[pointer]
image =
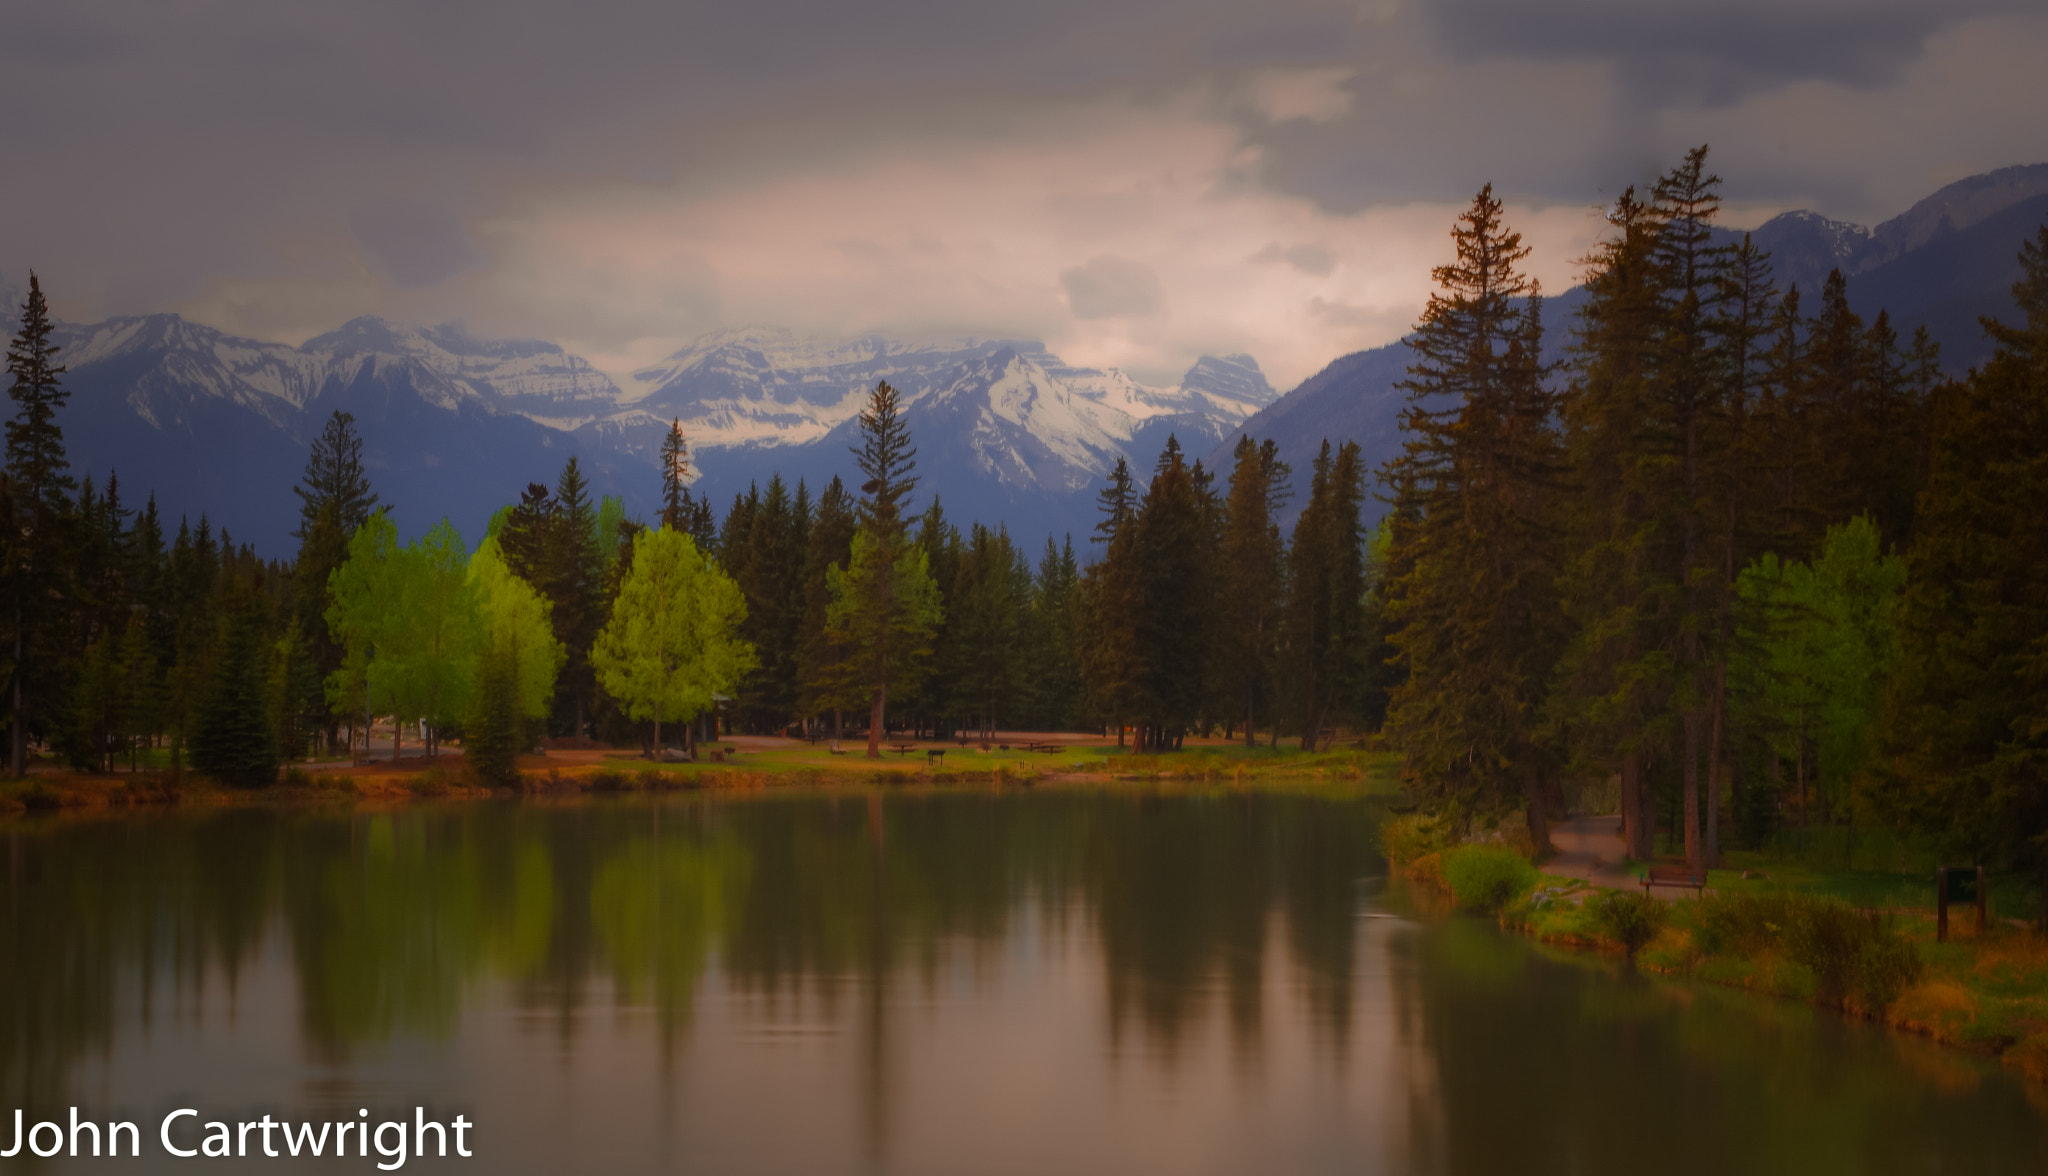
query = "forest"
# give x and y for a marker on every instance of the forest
(1739, 561)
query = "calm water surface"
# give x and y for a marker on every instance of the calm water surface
(1047, 982)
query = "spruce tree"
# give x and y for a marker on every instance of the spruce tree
(1967, 717)
(884, 604)
(39, 493)
(1472, 586)
(1251, 558)
(335, 499)
(675, 478)
(232, 740)
(1611, 683)
(825, 661)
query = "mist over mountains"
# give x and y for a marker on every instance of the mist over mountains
(1007, 431)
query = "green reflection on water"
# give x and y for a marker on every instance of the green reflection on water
(1192, 909)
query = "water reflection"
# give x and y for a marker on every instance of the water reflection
(950, 982)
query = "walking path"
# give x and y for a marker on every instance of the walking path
(1591, 849)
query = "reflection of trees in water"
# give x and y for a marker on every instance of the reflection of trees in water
(97, 911)
(1520, 1062)
(1184, 892)
(394, 917)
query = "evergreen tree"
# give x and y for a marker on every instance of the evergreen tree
(575, 587)
(1172, 556)
(827, 670)
(675, 478)
(884, 604)
(1612, 679)
(491, 738)
(1055, 674)
(1968, 711)
(231, 736)
(39, 494)
(1252, 561)
(335, 499)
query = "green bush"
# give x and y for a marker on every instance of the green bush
(1847, 951)
(1415, 835)
(1891, 964)
(1487, 877)
(1628, 918)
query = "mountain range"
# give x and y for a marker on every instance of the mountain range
(1943, 263)
(1006, 430)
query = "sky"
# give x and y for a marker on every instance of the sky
(1136, 182)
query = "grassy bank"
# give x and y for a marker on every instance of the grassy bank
(730, 768)
(1804, 934)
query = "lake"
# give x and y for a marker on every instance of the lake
(1033, 981)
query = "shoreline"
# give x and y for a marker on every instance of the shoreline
(1986, 995)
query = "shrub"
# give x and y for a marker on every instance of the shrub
(607, 780)
(1628, 918)
(1415, 835)
(1487, 877)
(1890, 965)
(1846, 950)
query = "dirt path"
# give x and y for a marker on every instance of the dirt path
(1590, 848)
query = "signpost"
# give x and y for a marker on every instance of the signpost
(1958, 884)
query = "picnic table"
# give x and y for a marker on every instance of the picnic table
(935, 755)
(1048, 748)
(905, 748)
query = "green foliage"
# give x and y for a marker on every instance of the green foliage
(409, 622)
(1471, 589)
(672, 641)
(1821, 643)
(231, 736)
(1628, 917)
(1406, 837)
(1968, 715)
(491, 737)
(1847, 950)
(885, 611)
(515, 625)
(1487, 877)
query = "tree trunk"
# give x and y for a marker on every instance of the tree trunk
(1638, 820)
(1715, 751)
(1695, 860)
(397, 732)
(875, 722)
(17, 751)
(1532, 798)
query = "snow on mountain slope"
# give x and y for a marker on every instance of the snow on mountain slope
(164, 365)
(535, 379)
(763, 387)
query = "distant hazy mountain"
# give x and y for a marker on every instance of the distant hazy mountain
(219, 425)
(1006, 431)
(1944, 262)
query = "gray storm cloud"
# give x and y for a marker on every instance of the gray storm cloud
(281, 167)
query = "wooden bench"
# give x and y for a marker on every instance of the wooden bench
(905, 748)
(1672, 876)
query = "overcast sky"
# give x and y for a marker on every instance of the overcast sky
(1136, 182)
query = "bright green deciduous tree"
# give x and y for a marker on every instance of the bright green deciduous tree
(672, 641)
(1821, 642)
(516, 626)
(410, 625)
